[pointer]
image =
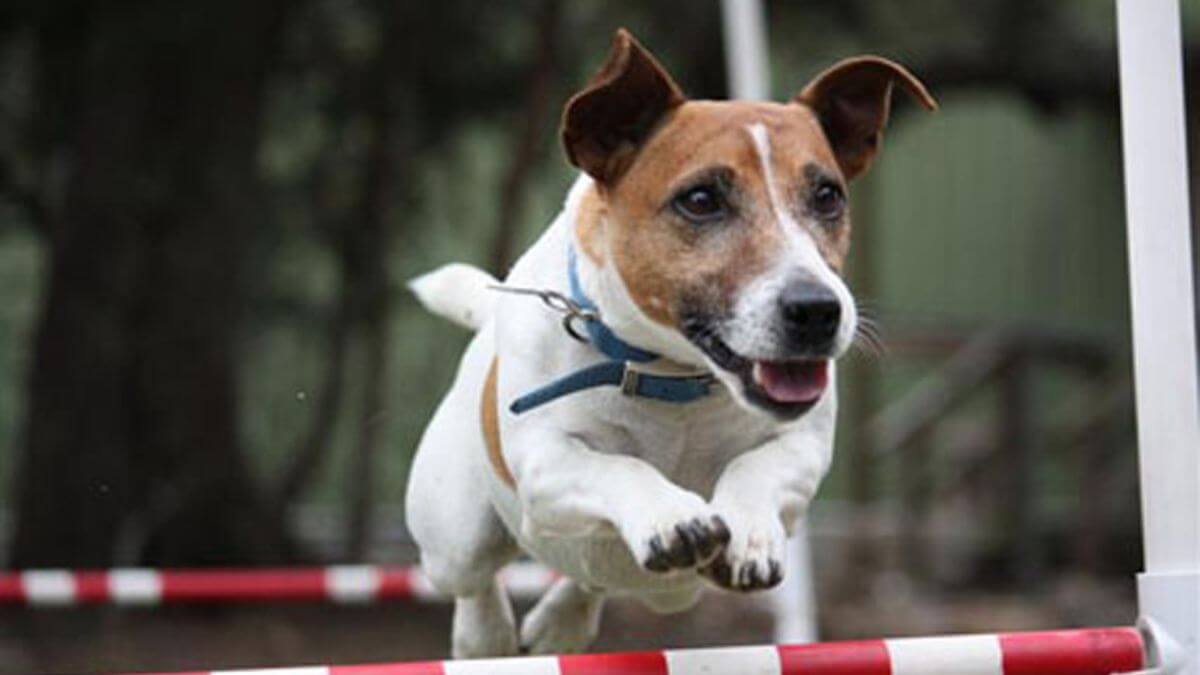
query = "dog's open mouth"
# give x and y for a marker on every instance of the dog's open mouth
(786, 389)
(791, 381)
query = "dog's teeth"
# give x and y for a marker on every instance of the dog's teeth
(757, 374)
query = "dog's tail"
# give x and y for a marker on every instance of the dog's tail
(457, 292)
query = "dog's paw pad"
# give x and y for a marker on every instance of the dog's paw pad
(746, 575)
(753, 558)
(686, 544)
(755, 576)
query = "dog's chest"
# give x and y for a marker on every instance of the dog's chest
(690, 444)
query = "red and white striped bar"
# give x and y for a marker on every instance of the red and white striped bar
(1092, 651)
(348, 584)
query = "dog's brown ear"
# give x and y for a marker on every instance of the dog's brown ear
(605, 124)
(852, 99)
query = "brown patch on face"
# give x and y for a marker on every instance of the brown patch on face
(834, 247)
(832, 236)
(672, 266)
(489, 421)
(589, 226)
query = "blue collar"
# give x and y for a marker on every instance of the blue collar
(616, 370)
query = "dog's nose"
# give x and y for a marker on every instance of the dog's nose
(811, 314)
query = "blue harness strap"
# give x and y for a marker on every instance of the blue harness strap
(616, 371)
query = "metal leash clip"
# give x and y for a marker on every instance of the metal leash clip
(571, 310)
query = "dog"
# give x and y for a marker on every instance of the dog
(648, 405)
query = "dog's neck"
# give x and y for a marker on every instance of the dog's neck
(602, 283)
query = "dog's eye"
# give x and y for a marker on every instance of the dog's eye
(700, 204)
(828, 201)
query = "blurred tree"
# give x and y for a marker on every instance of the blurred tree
(131, 451)
(132, 435)
(530, 136)
(364, 266)
(399, 86)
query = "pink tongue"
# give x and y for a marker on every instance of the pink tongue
(797, 382)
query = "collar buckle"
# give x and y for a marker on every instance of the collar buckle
(629, 380)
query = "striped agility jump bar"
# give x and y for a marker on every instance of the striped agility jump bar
(1093, 651)
(338, 584)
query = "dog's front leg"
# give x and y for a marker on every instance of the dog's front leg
(569, 489)
(760, 495)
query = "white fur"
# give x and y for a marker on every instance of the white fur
(457, 292)
(564, 621)
(597, 473)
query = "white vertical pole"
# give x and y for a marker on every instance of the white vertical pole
(1163, 309)
(794, 602)
(746, 49)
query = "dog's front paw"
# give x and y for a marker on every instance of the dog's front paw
(677, 535)
(753, 558)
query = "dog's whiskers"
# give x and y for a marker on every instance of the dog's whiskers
(868, 338)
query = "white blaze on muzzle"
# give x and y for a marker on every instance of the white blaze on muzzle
(752, 331)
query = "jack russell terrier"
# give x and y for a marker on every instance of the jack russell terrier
(648, 403)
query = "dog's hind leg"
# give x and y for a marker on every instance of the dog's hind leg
(463, 545)
(483, 625)
(565, 620)
(450, 514)
(483, 616)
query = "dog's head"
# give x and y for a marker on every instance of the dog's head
(725, 224)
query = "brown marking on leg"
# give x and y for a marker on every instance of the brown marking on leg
(489, 417)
